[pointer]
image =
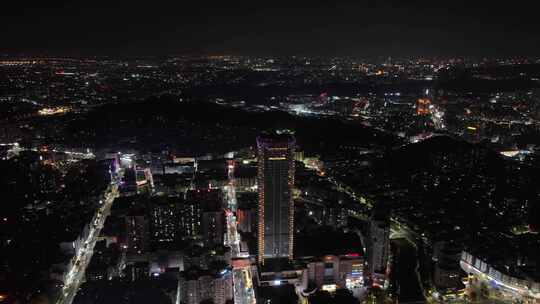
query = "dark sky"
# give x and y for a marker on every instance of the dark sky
(293, 27)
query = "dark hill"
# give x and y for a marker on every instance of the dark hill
(208, 126)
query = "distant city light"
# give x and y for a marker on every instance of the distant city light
(53, 111)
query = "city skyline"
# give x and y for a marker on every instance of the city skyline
(282, 152)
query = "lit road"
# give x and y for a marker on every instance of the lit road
(242, 276)
(232, 239)
(497, 290)
(16, 148)
(243, 286)
(75, 276)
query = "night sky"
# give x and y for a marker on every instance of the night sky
(294, 27)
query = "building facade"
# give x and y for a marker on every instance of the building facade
(137, 232)
(378, 248)
(197, 286)
(275, 185)
(164, 222)
(334, 272)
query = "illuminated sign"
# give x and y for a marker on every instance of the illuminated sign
(329, 287)
(277, 158)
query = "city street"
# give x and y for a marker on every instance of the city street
(487, 289)
(242, 276)
(76, 275)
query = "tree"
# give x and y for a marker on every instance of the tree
(320, 297)
(344, 296)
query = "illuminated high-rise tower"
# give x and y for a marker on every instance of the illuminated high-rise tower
(275, 185)
(378, 245)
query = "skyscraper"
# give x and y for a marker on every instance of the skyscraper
(137, 231)
(275, 184)
(164, 220)
(202, 215)
(213, 226)
(378, 246)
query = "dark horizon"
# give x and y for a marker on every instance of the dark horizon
(369, 29)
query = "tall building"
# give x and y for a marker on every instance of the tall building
(447, 273)
(202, 215)
(190, 219)
(275, 184)
(137, 231)
(137, 271)
(196, 286)
(164, 221)
(246, 214)
(213, 227)
(378, 246)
